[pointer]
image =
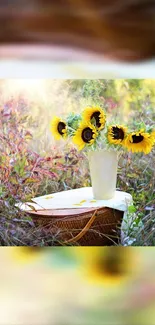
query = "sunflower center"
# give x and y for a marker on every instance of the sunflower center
(87, 135)
(96, 116)
(137, 138)
(61, 127)
(118, 134)
(111, 266)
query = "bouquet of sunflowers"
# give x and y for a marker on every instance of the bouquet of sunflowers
(91, 131)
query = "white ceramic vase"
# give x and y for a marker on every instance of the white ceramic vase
(103, 170)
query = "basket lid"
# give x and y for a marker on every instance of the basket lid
(55, 213)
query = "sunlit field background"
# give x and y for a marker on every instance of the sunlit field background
(32, 163)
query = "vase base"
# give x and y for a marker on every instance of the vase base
(103, 197)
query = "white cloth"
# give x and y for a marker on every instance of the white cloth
(78, 198)
(75, 69)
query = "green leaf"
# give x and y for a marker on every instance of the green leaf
(30, 180)
(131, 209)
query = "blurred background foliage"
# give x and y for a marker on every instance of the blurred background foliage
(32, 163)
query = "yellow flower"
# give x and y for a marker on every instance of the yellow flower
(25, 254)
(116, 134)
(106, 266)
(95, 113)
(58, 128)
(139, 142)
(152, 135)
(85, 135)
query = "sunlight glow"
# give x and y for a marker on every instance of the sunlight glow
(28, 86)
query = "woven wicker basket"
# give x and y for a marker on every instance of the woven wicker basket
(84, 227)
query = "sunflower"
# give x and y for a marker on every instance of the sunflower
(152, 135)
(139, 141)
(97, 114)
(105, 266)
(85, 135)
(116, 134)
(58, 128)
(26, 254)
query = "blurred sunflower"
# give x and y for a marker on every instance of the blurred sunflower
(106, 266)
(95, 114)
(139, 142)
(26, 254)
(58, 128)
(116, 134)
(85, 135)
